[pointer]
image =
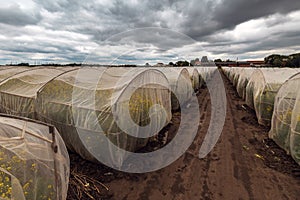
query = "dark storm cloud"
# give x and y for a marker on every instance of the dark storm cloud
(233, 12)
(159, 37)
(207, 17)
(103, 21)
(69, 28)
(14, 15)
(47, 49)
(276, 41)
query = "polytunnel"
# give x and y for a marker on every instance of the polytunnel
(242, 82)
(236, 76)
(295, 131)
(179, 82)
(226, 71)
(206, 73)
(201, 78)
(7, 72)
(102, 112)
(262, 89)
(285, 127)
(195, 78)
(18, 92)
(34, 161)
(231, 73)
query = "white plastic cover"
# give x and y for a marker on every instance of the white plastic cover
(18, 92)
(262, 89)
(82, 103)
(179, 80)
(34, 164)
(242, 82)
(231, 73)
(226, 71)
(236, 75)
(206, 72)
(285, 129)
(195, 78)
(7, 72)
(295, 128)
(283, 109)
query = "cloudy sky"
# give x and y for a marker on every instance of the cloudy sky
(132, 31)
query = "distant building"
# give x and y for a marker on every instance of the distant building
(256, 63)
(204, 59)
(197, 62)
(159, 65)
(249, 63)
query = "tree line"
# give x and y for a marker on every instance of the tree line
(277, 60)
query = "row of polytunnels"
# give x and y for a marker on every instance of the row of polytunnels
(275, 96)
(46, 109)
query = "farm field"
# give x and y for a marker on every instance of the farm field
(244, 164)
(149, 100)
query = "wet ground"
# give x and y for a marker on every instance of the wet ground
(244, 164)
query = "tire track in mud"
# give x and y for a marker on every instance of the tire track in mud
(206, 113)
(180, 184)
(240, 167)
(174, 182)
(256, 178)
(228, 172)
(198, 171)
(192, 179)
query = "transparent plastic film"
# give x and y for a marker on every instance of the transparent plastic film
(262, 89)
(283, 109)
(30, 167)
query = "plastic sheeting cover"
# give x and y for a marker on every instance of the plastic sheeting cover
(81, 103)
(242, 82)
(10, 71)
(205, 73)
(29, 166)
(295, 130)
(236, 76)
(18, 93)
(285, 130)
(262, 89)
(195, 78)
(179, 81)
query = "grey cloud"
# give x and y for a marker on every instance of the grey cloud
(267, 44)
(14, 15)
(203, 18)
(203, 21)
(232, 12)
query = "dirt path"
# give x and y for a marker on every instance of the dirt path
(243, 165)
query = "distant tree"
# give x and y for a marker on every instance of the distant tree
(277, 62)
(171, 64)
(192, 62)
(182, 63)
(23, 64)
(218, 60)
(129, 66)
(294, 60)
(283, 60)
(270, 59)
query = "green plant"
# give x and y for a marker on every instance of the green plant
(35, 180)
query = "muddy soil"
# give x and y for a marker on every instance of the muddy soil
(244, 164)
